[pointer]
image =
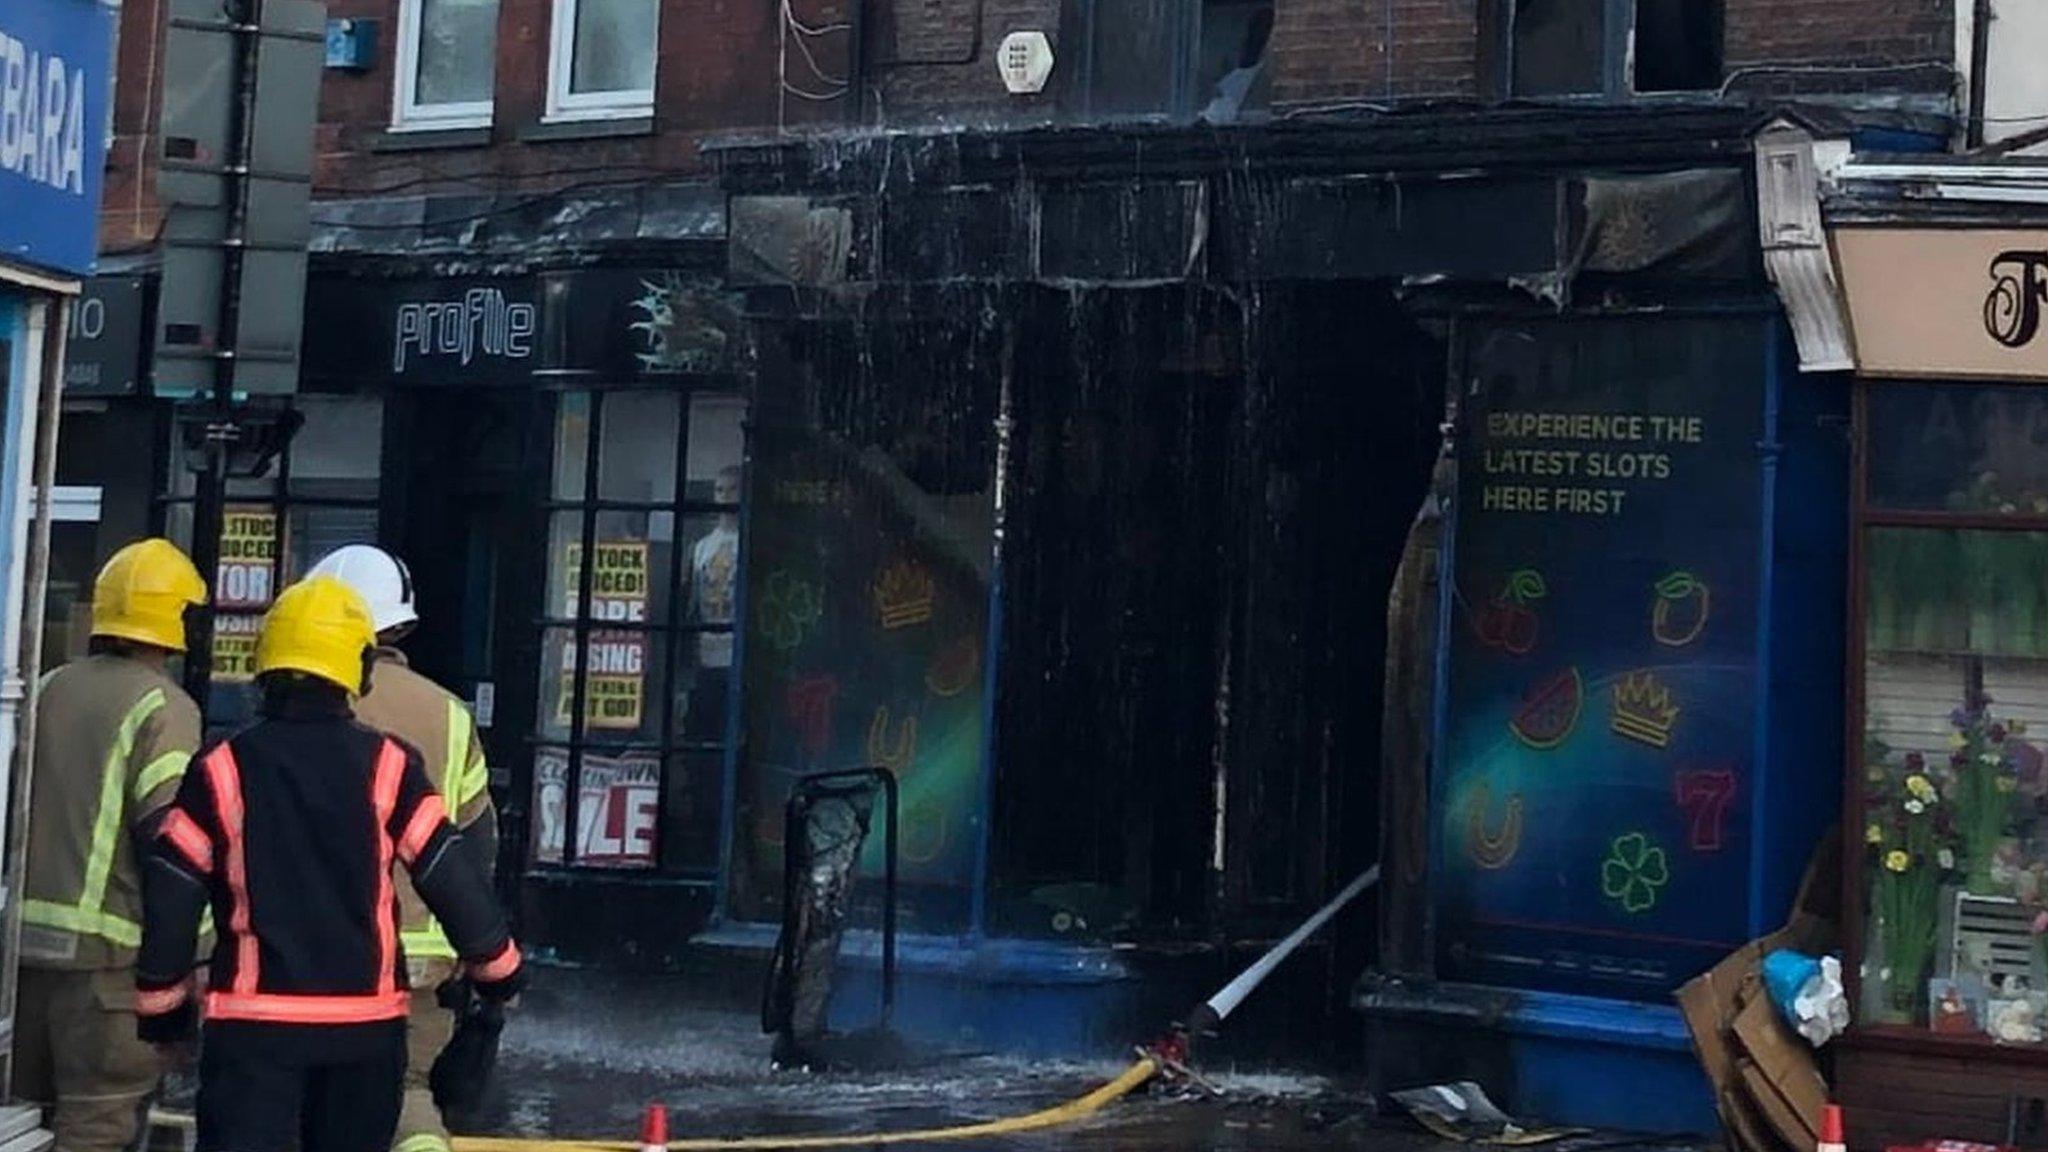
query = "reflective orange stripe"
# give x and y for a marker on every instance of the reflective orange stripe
(430, 815)
(384, 798)
(190, 842)
(498, 967)
(272, 1008)
(162, 1000)
(226, 778)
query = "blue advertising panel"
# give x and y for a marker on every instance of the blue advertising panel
(53, 122)
(1594, 808)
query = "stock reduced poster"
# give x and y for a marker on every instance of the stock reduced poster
(1600, 724)
(244, 587)
(615, 690)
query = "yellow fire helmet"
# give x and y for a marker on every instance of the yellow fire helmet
(318, 626)
(142, 594)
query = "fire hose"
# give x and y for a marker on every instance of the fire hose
(1164, 1057)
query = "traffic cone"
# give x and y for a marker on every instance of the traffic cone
(654, 1129)
(1831, 1137)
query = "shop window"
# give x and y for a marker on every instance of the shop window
(320, 493)
(638, 656)
(1953, 774)
(602, 60)
(867, 610)
(1611, 47)
(446, 63)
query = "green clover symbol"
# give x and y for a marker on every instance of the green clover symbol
(789, 606)
(1635, 873)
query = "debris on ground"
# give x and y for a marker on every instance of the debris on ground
(1462, 1112)
(1766, 1079)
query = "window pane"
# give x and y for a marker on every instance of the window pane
(572, 440)
(1955, 780)
(1678, 45)
(311, 533)
(458, 39)
(713, 583)
(614, 46)
(631, 582)
(717, 447)
(618, 807)
(624, 693)
(637, 460)
(1949, 592)
(338, 452)
(1978, 449)
(1559, 47)
(689, 820)
(703, 696)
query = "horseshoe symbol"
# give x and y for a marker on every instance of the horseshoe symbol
(896, 753)
(1492, 851)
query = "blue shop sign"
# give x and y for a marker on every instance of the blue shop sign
(53, 121)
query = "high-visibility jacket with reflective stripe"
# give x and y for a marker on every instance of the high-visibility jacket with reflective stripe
(405, 704)
(113, 739)
(290, 830)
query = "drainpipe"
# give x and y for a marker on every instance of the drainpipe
(21, 618)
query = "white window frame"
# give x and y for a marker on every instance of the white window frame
(563, 104)
(407, 113)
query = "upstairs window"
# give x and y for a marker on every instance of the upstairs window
(1611, 48)
(602, 61)
(446, 65)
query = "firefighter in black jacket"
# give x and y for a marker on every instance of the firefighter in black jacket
(289, 830)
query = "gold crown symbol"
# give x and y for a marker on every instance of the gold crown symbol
(1643, 710)
(903, 595)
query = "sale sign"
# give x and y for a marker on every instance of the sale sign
(618, 809)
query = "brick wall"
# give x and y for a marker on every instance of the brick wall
(936, 58)
(129, 215)
(716, 72)
(1368, 49)
(1854, 34)
(1336, 50)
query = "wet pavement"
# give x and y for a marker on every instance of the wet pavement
(574, 1066)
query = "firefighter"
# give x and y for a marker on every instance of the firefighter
(405, 704)
(289, 830)
(115, 734)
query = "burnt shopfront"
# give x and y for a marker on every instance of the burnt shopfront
(558, 455)
(1088, 504)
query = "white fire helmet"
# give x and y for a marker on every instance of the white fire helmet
(380, 578)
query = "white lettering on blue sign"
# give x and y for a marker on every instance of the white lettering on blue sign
(483, 321)
(42, 117)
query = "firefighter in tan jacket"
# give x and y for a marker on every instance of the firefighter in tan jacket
(405, 704)
(114, 734)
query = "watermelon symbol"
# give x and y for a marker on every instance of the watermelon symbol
(1550, 710)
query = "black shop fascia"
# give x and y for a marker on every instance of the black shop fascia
(530, 418)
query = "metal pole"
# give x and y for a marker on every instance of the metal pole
(889, 798)
(48, 406)
(210, 500)
(1218, 1008)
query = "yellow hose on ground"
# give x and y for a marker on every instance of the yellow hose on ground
(1078, 1108)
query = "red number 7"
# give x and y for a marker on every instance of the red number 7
(1705, 796)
